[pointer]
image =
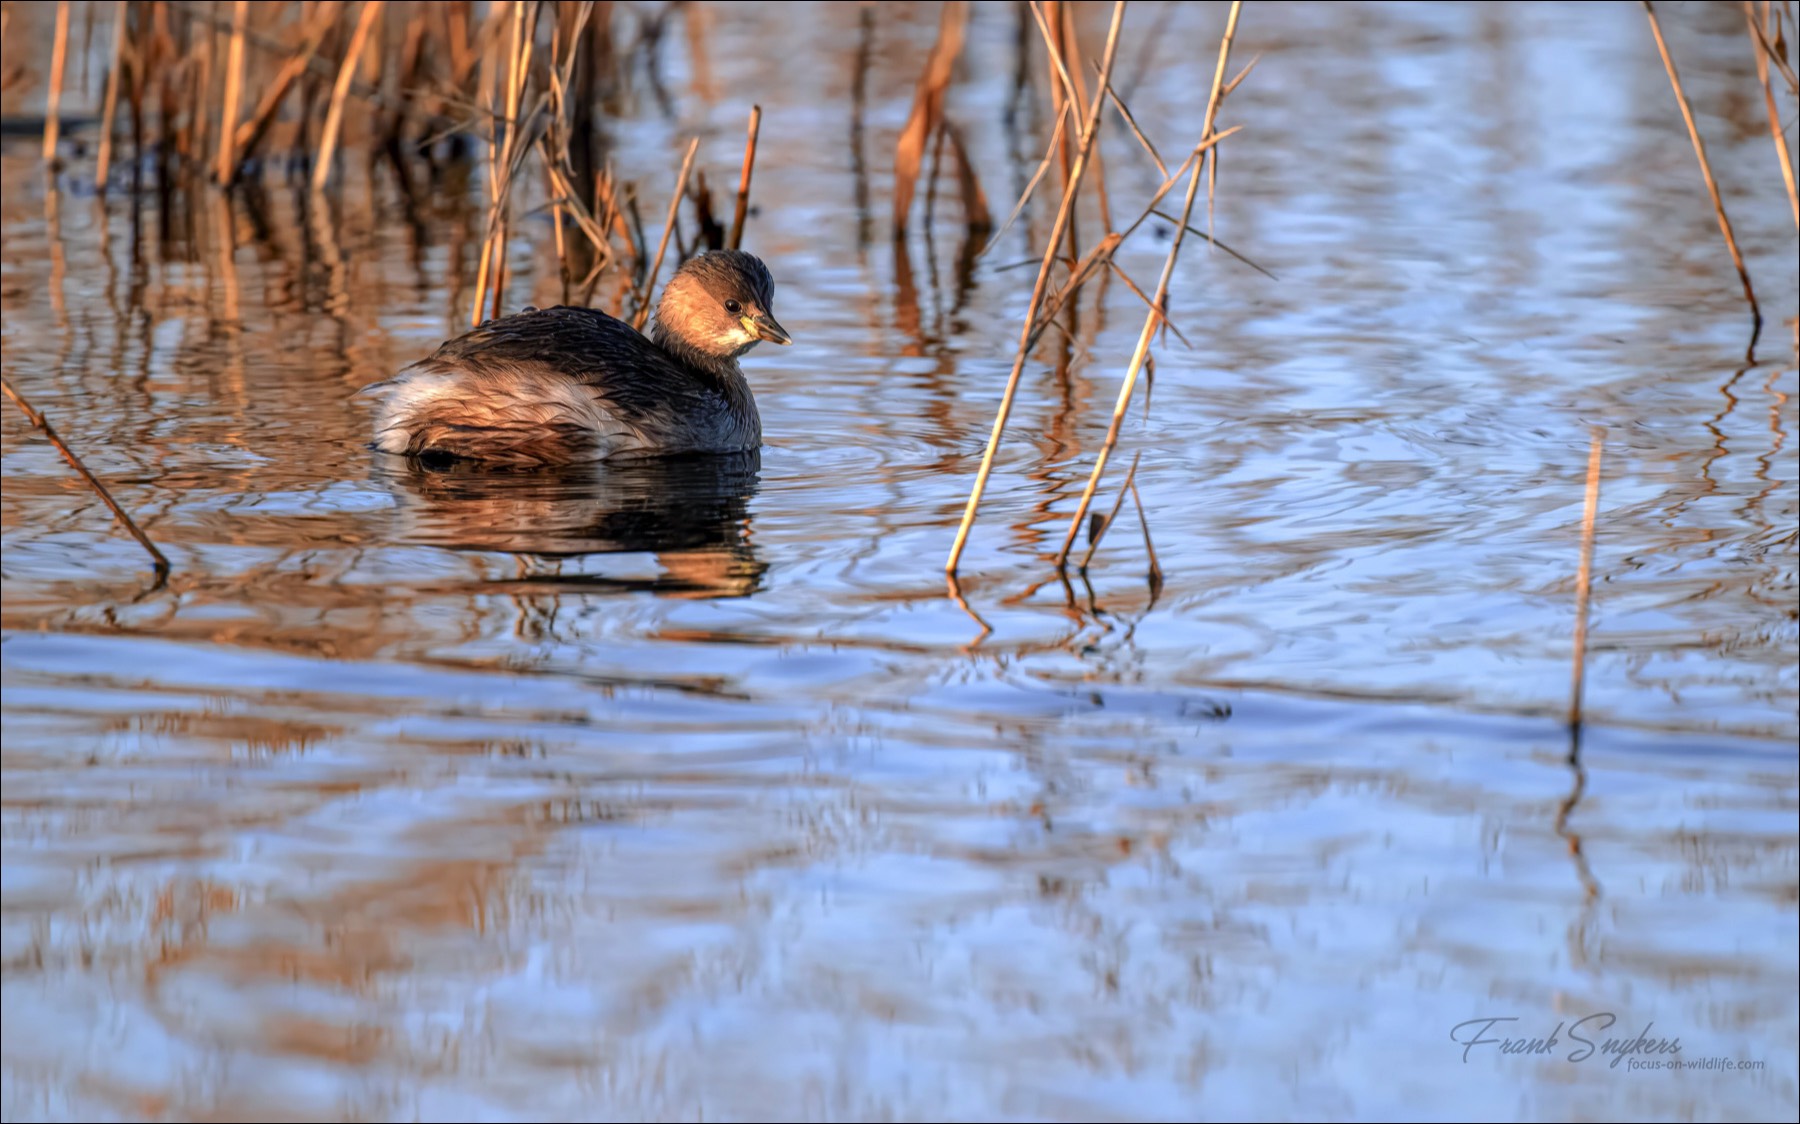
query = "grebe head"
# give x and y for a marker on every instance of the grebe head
(717, 306)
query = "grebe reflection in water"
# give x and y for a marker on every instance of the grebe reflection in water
(691, 512)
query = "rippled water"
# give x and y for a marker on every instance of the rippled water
(687, 792)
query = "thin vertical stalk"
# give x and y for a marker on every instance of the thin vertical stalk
(743, 196)
(488, 80)
(334, 116)
(1584, 580)
(643, 310)
(1153, 317)
(110, 110)
(518, 72)
(59, 57)
(1072, 55)
(234, 83)
(1089, 129)
(1712, 186)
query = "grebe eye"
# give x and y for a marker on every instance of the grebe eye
(733, 307)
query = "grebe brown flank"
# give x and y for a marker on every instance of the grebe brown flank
(565, 385)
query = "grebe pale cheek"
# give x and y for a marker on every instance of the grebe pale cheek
(565, 385)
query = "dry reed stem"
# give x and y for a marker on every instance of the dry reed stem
(1056, 135)
(554, 144)
(1162, 291)
(110, 110)
(1241, 75)
(1090, 128)
(927, 109)
(334, 116)
(1161, 315)
(1118, 503)
(505, 161)
(1131, 122)
(743, 196)
(590, 226)
(1781, 64)
(1062, 91)
(1584, 579)
(1209, 239)
(1072, 58)
(1712, 186)
(234, 83)
(1094, 260)
(42, 424)
(513, 154)
(1137, 501)
(487, 81)
(59, 56)
(642, 316)
(1212, 177)
(1102, 254)
(1759, 44)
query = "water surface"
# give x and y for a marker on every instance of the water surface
(686, 792)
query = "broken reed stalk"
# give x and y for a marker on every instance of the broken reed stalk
(334, 116)
(59, 57)
(42, 424)
(1137, 501)
(1162, 288)
(743, 196)
(1072, 56)
(488, 80)
(1099, 532)
(234, 83)
(1131, 122)
(1777, 16)
(1584, 579)
(1089, 129)
(1712, 186)
(1760, 46)
(642, 315)
(1056, 135)
(110, 109)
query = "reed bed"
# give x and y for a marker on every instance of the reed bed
(220, 93)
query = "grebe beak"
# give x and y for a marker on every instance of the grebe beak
(763, 327)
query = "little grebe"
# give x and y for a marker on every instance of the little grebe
(565, 385)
